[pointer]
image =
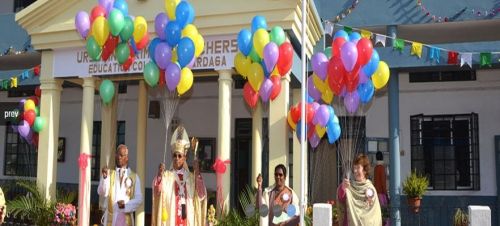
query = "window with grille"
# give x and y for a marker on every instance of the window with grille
(96, 146)
(445, 148)
(20, 157)
(443, 76)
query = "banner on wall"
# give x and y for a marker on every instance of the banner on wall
(219, 53)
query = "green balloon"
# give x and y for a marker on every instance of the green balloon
(328, 52)
(151, 74)
(128, 29)
(122, 52)
(254, 56)
(37, 111)
(38, 124)
(116, 22)
(107, 91)
(277, 35)
(93, 49)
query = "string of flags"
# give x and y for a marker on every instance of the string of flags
(13, 81)
(434, 53)
(344, 13)
(477, 12)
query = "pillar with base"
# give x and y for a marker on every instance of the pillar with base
(256, 143)
(142, 105)
(296, 152)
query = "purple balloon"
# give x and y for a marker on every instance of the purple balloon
(322, 116)
(265, 90)
(161, 21)
(314, 140)
(82, 23)
(312, 91)
(172, 76)
(271, 54)
(163, 55)
(107, 4)
(315, 106)
(24, 128)
(351, 101)
(319, 63)
(191, 63)
(349, 55)
(362, 77)
(21, 105)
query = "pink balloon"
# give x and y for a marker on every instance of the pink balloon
(321, 116)
(172, 76)
(319, 64)
(351, 102)
(24, 129)
(271, 55)
(349, 55)
(265, 90)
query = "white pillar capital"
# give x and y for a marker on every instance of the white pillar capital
(49, 83)
(286, 78)
(225, 74)
(89, 82)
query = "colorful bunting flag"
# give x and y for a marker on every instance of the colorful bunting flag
(399, 44)
(416, 49)
(366, 34)
(434, 54)
(466, 58)
(485, 59)
(380, 38)
(329, 28)
(348, 29)
(5, 84)
(452, 57)
(13, 82)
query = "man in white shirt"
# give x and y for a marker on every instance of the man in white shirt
(125, 195)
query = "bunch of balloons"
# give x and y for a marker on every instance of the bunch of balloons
(350, 69)
(320, 119)
(263, 57)
(110, 28)
(29, 123)
(174, 51)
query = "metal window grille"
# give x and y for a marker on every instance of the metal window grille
(20, 157)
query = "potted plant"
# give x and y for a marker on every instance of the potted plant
(415, 187)
(460, 218)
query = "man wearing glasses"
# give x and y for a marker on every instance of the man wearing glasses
(179, 196)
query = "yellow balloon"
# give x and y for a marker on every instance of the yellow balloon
(29, 105)
(186, 81)
(292, 124)
(170, 6)
(164, 214)
(190, 31)
(275, 72)
(199, 45)
(320, 131)
(327, 96)
(242, 64)
(319, 84)
(174, 55)
(381, 75)
(260, 40)
(140, 28)
(255, 76)
(100, 29)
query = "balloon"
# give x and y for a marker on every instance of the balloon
(365, 50)
(174, 55)
(199, 45)
(184, 13)
(365, 91)
(173, 32)
(186, 81)
(309, 112)
(109, 47)
(354, 37)
(23, 128)
(128, 29)
(143, 42)
(38, 124)
(29, 116)
(298, 130)
(265, 90)
(242, 64)
(130, 59)
(311, 89)
(351, 80)
(351, 102)
(93, 49)
(97, 11)
(34, 99)
(342, 34)
(328, 52)
(254, 56)
(163, 55)
(245, 41)
(151, 74)
(172, 76)
(337, 44)
(170, 6)
(38, 91)
(276, 87)
(122, 52)
(185, 51)
(320, 85)
(140, 27)
(381, 76)
(285, 59)
(372, 65)
(333, 131)
(116, 21)
(336, 74)
(319, 64)
(295, 112)
(349, 55)
(320, 130)
(122, 6)
(255, 76)
(22, 102)
(291, 123)
(260, 40)
(321, 116)
(190, 31)
(107, 91)
(271, 55)
(277, 35)
(362, 77)
(251, 97)
(106, 4)
(314, 140)
(82, 23)
(327, 96)
(258, 22)
(161, 21)
(100, 30)
(37, 111)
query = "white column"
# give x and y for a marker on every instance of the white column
(48, 138)
(296, 151)
(142, 117)
(224, 129)
(108, 131)
(278, 128)
(86, 148)
(256, 143)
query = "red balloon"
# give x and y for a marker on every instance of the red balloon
(250, 96)
(336, 75)
(162, 78)
(38, 91)
(143, 43)
(29, 116)
(351, 83)
(130, 60)
(109, 46)
(285, 59)
(34, 139)
(310, 130)
(276, 87)
(97, 11)
(309, 114)
(36, 70)
(295, 112)
(365, 49)
(336, 45)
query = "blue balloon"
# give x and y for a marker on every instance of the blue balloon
(341, 33)
(122, 6)
(173, 33)
(291, 210)
(266, 73)
(354, 37)
(245, 41)
(298, 130)
(152, 47)
(332, 111)
(332, 131)
(372, 65)
(258, 22)
(184, 13)
(185, 51)
(365, 91)
(134, 46)
(309, 99)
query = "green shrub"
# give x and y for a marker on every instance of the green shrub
(415, 185)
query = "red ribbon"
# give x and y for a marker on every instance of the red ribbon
(83, 162)
(219, 167)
